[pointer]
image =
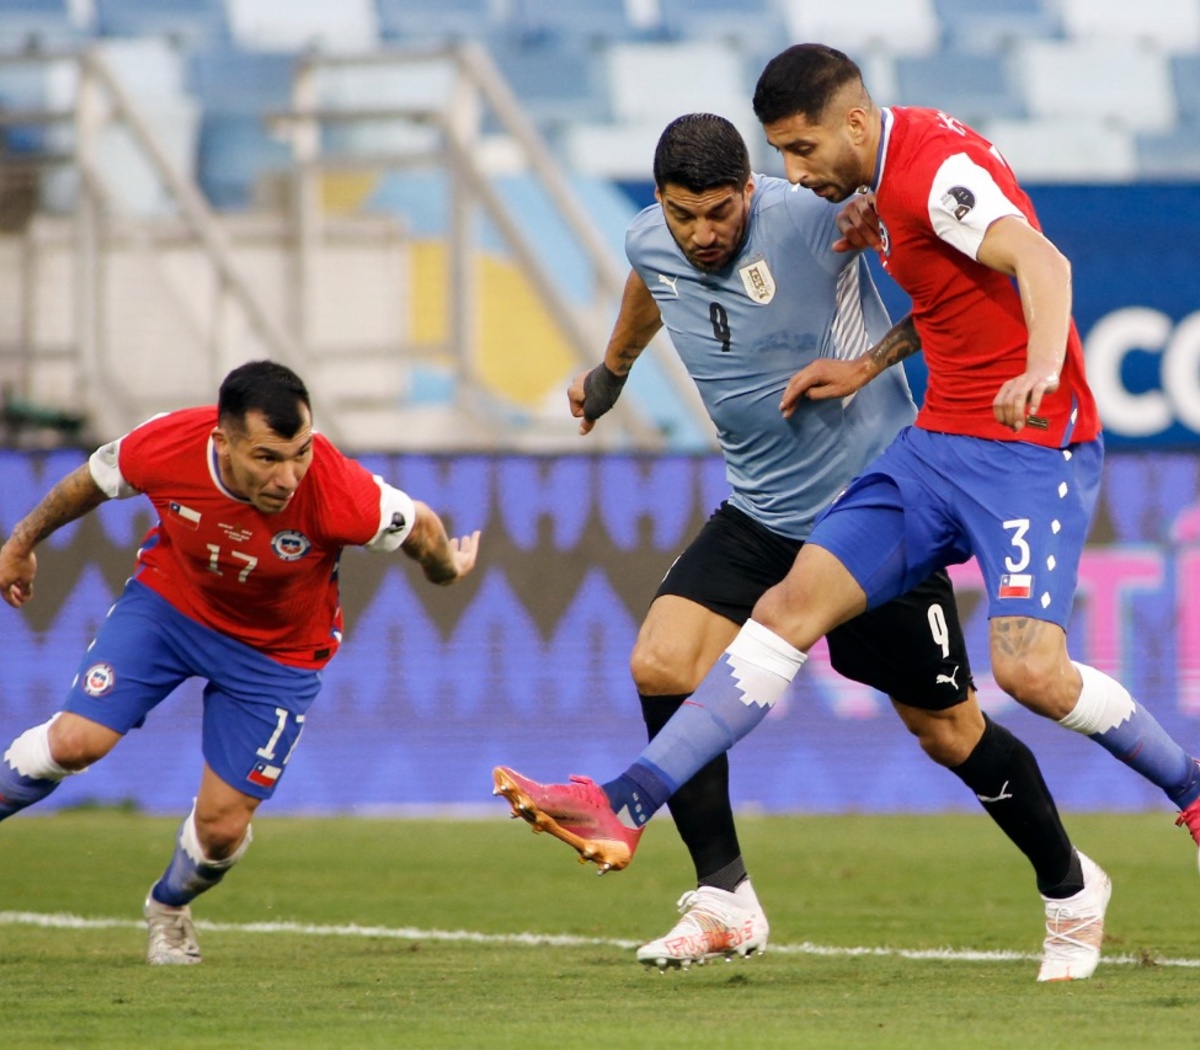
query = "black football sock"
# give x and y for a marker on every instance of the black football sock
(1005, 777)
(701, 807)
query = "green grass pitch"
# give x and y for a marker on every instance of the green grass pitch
(887, 932)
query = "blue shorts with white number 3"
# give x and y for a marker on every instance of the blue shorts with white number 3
(931, 500)
(254, 707)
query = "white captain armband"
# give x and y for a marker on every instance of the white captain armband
(397, 516)
(105, 465)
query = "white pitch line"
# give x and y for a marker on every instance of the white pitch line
(61, 921)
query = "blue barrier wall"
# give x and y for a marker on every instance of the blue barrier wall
(525, 662)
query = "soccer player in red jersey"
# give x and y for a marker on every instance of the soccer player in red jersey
(1003, 464)
(237, 584)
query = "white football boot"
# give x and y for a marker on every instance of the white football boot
(172, 935)
(714, 923)
(1075, 928)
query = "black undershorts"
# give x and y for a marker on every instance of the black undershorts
(912, 648)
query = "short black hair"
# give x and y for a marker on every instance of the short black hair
(267, 387)
(802, 80)
(701, 151)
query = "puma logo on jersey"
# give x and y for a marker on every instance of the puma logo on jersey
(670, 282)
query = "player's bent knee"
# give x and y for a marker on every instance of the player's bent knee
(947, 736)
(75, 742)
(947, 747)
(1034, 684)
(657, 673)
(224, 838)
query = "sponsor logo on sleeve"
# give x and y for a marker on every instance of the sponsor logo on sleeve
(958, 201)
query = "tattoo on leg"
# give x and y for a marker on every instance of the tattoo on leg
(1015, 636)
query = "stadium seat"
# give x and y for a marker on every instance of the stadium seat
(1173, 25)
(993, 25)
(236, 89)
(557, 83)
(411, 21)
(152, 73)
(1099, 79)
(753, 25)
(1185, 75)
(592, 19)
(1173, 155)
(192, 23)
(421, 84)
(623, 151)
(659, 81)
(43, 24)
(971, 87)
(298, 25)
(1065, 149)
(901, 27)
(23, 87)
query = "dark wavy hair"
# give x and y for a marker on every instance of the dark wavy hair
(700, 151)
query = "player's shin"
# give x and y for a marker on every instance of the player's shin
(1109, 715)
(28, 773)
(735, 696)
(700, 808)
(1004, 775)
(190, 872)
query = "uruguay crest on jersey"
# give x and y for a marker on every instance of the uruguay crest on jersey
(757, 279)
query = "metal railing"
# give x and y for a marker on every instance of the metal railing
(453, 124)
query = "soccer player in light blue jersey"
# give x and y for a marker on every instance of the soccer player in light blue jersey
(741, 270)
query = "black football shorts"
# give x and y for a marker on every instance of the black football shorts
(912, 648)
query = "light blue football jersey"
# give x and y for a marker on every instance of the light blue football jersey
(743, 332)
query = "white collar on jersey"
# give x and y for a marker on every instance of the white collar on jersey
(214, 472)
(885, 136)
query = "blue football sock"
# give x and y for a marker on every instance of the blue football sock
(1119, 724)
(28, 772)
(18, 792)
(190, 873)
(734, 697)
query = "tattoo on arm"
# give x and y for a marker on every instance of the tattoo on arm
(71, 498)
(900, 342)
(626, 357)
(429, 546)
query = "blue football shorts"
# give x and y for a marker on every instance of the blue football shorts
(932, 500)
(254, 707)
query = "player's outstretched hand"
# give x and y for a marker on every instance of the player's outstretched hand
(820, 380)
(1018, 401)
(576, 396)
(463, 551)
(17, 571)
(859, 224)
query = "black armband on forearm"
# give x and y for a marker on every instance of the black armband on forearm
(601, 388)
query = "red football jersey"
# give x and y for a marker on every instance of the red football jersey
(939, 185)
(268, 580)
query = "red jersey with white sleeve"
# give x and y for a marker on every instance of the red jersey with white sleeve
(939, 186)
(268, 580)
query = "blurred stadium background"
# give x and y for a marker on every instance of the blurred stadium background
(420, 204)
